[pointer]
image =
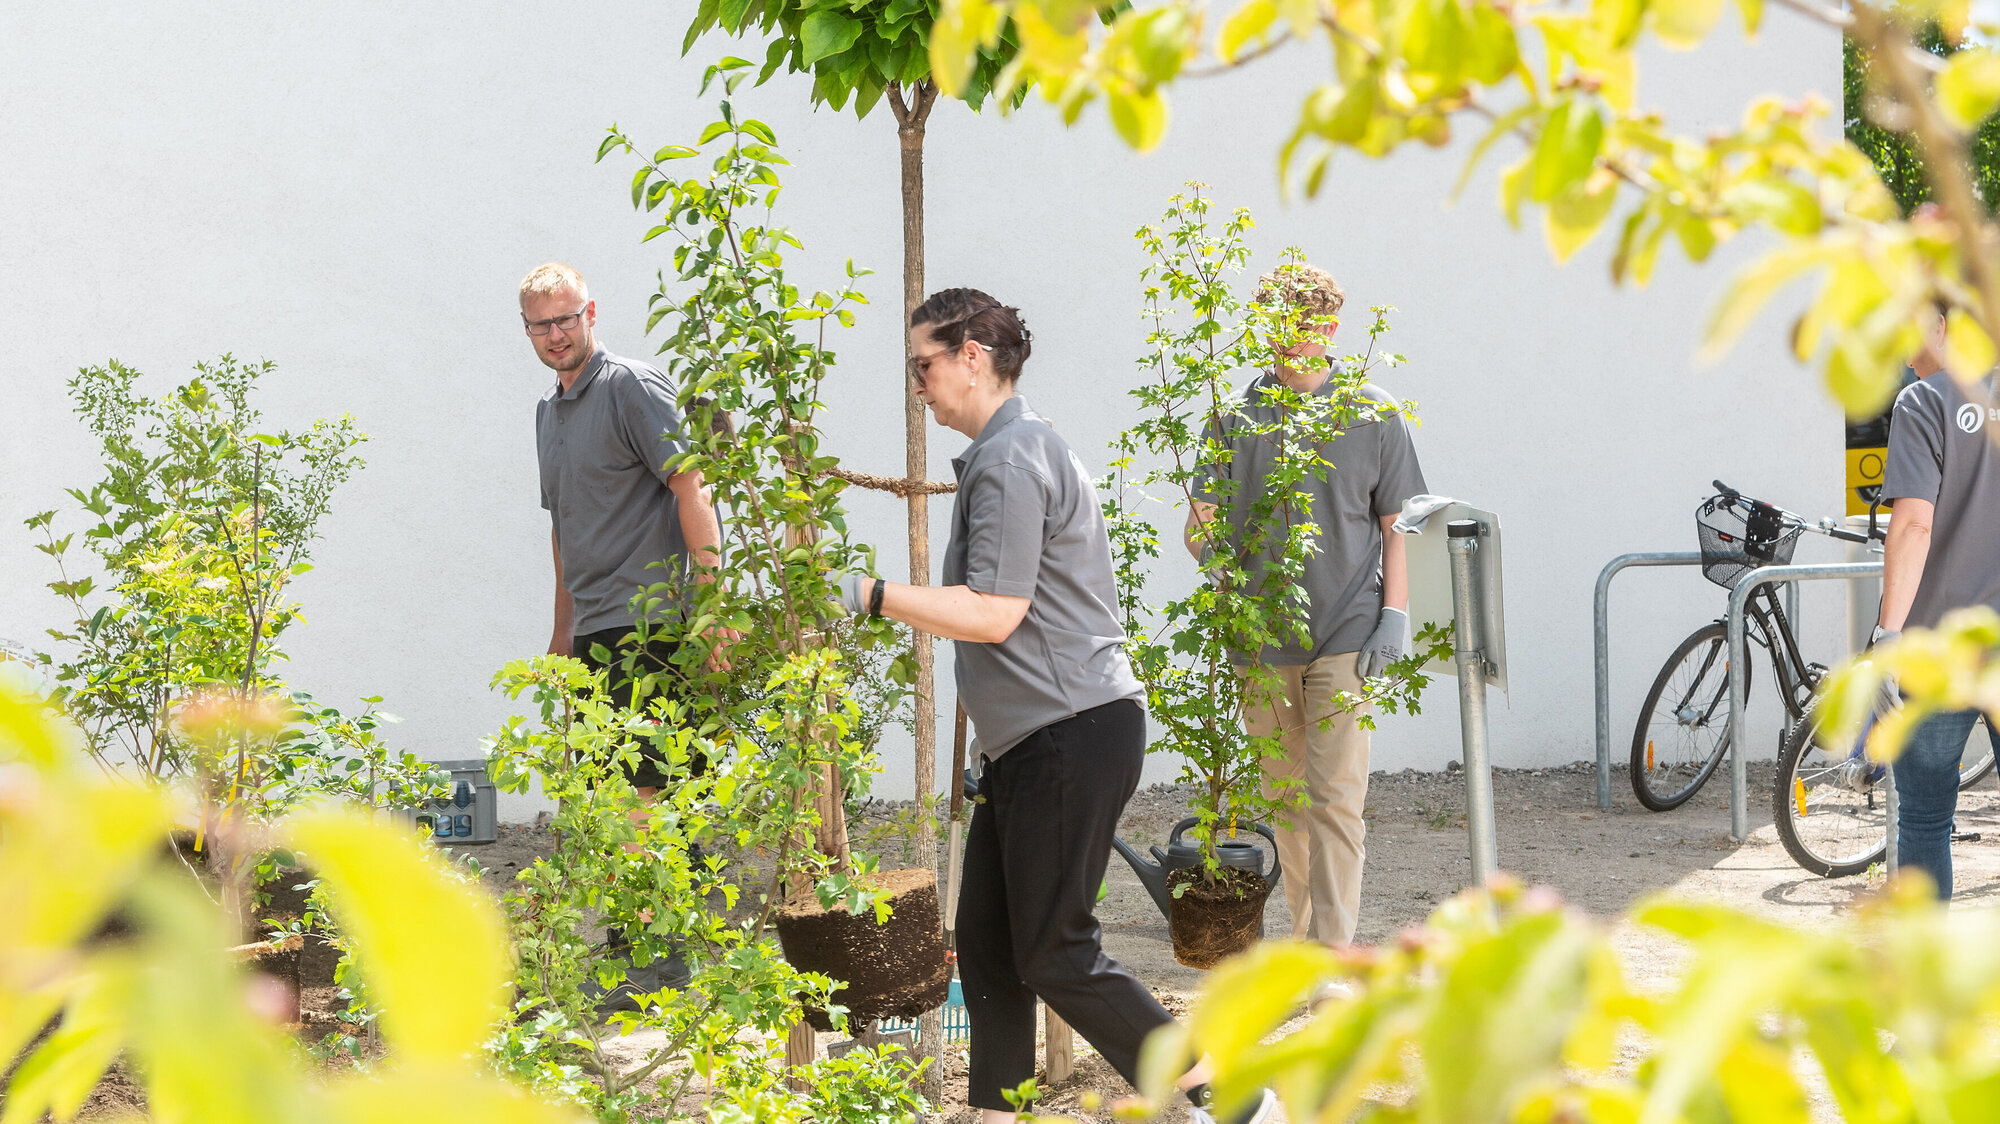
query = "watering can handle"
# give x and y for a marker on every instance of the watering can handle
(1180, 827)
(1277, 865)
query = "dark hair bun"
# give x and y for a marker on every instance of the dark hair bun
(957, 315)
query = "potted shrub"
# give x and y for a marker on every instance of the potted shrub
(1191, 650)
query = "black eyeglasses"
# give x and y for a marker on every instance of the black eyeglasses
(559, 323)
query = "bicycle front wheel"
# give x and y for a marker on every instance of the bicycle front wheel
(1829, 805)
(1684, 727)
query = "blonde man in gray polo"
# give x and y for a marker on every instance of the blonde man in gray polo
(619, 521)
(1358, 591)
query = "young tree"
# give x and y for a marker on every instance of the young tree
(860, 54)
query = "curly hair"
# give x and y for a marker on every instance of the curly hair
(1308, 288)
(956, 315)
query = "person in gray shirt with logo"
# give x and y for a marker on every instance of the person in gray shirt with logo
(1358, 596)
(1943, 553)
(1058, 718)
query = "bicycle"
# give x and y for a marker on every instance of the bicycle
(1830, 815)
(1683, 729)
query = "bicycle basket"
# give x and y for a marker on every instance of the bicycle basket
(1739, 535)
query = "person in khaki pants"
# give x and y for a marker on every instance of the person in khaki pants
(1357, 589)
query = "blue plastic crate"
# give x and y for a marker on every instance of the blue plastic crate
(957, 1024)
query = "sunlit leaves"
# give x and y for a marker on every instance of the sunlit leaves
(393, 897)
(1568, 147)
(1574, 216)
(1968, 350)
(1969, 88)
(1683, 24)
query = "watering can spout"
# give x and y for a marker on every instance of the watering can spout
(1152, 875)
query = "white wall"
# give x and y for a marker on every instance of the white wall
(354, 191)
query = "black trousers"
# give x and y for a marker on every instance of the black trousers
(1034, 859)
(653, 769)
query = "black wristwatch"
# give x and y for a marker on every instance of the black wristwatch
(875, 597)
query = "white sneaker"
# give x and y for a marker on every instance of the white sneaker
(1259, 1111)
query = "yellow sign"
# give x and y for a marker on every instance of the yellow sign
(1864, 478)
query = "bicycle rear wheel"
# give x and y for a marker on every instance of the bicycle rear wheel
(1683, 728)
(1978, 759)
(1829, 805)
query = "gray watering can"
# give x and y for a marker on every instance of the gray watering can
(1180, 855)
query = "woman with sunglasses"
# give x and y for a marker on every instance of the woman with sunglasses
(1058, 717)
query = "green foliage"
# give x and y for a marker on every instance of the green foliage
(171, 663)
(1955, 666)
(1508, 1007)
(639, 866)
(1557, 85)
(111, 939)
(1892, 153)
(1197, 653)
(704, 866)
(854, 49)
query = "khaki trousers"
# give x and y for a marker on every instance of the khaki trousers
(1322, 848)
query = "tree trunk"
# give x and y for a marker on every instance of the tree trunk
(911, 115)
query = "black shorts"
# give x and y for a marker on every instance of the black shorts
(653, 770)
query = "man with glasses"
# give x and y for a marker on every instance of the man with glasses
(1357, 590)
(605, 434)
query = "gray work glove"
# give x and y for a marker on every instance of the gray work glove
(1389, 643)
(854, 588)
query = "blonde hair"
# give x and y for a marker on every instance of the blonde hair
(1307, 288)
(552, 278)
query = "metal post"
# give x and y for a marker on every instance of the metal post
(1468, 646)
(1739, 601)
(1864, 597)
(1892, 808)
(1601, 620)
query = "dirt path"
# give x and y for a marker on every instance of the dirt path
(1550, 833)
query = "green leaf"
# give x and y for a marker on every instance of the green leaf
(1501, 127)
(1159, 42)
(1514, 188)
(1568, 147)
(1785, 204)
(1251, 21)
(394, 896)
(1683, 24)
(825, 33)
(1751, 289)
(1574, 216)
(62, 1071)
(1140, 118)
(1969, 88)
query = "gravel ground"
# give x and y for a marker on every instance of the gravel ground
(1550, 833)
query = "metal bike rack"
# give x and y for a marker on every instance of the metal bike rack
(1603, 637)
(1739, 601)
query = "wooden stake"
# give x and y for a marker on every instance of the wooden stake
(1059, 1049)
(801, 1049)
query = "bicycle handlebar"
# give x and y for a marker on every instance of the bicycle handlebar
(1825, 526)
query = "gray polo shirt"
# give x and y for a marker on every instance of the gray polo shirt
(1371, 468)
(1027, 523)
(1941, 450)
(603, 446)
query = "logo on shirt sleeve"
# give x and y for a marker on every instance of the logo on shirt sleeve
(1971, 417)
